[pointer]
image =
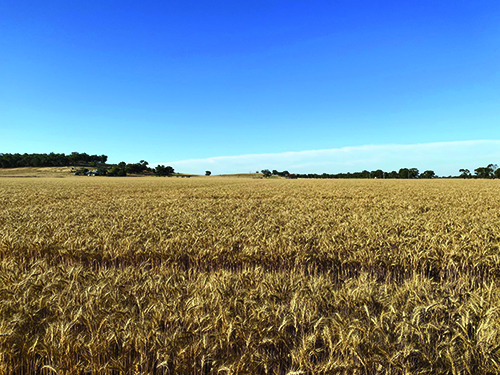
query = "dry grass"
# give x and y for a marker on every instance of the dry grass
(36, 172)
(242, 276)
(241, 175)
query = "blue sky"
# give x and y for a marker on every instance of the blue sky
(177, 81)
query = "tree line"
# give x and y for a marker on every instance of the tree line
(124, 169)
(49, 160)
(404, 173)
(490, 171)
(84, 161)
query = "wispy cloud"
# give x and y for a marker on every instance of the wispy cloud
(445, 158)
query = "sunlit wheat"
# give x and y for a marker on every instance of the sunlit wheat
(242, 276)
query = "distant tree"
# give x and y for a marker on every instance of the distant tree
(266, 172)
(208, 173)
(117, 170)
(161, 170)
(46, 160)
(408, 173)
(74, 158)
(137, 168)
(103, 170)
(481, 172)
(379, 173)
(493, 168)
(85, 157)
(365, 174)
(35, 161)
(486, 172)
(404, 173)
(428, 174)
(464, 173)
(413, 173)
(134, 168)
(275, 172)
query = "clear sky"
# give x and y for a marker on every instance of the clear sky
(184, 82)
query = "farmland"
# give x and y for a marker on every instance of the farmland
(242, 276)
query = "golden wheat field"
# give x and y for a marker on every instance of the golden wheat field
(242, 276)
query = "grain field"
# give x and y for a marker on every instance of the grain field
(241, 276)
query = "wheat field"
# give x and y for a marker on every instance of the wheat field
(242, 276)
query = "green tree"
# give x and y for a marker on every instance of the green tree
(464, 173)
(413, 173)
(161, 170)
(365, 174)
(486, 172)
(404, 173)
(208, 173)
(408, 173)
(103, 170)
(493, 168)
(74, 158)
(266, 172)
(137, 168)
(117, 170)
(428, 174)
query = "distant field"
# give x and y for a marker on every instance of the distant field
(249, 276)
(241, 175)
(36, 172)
